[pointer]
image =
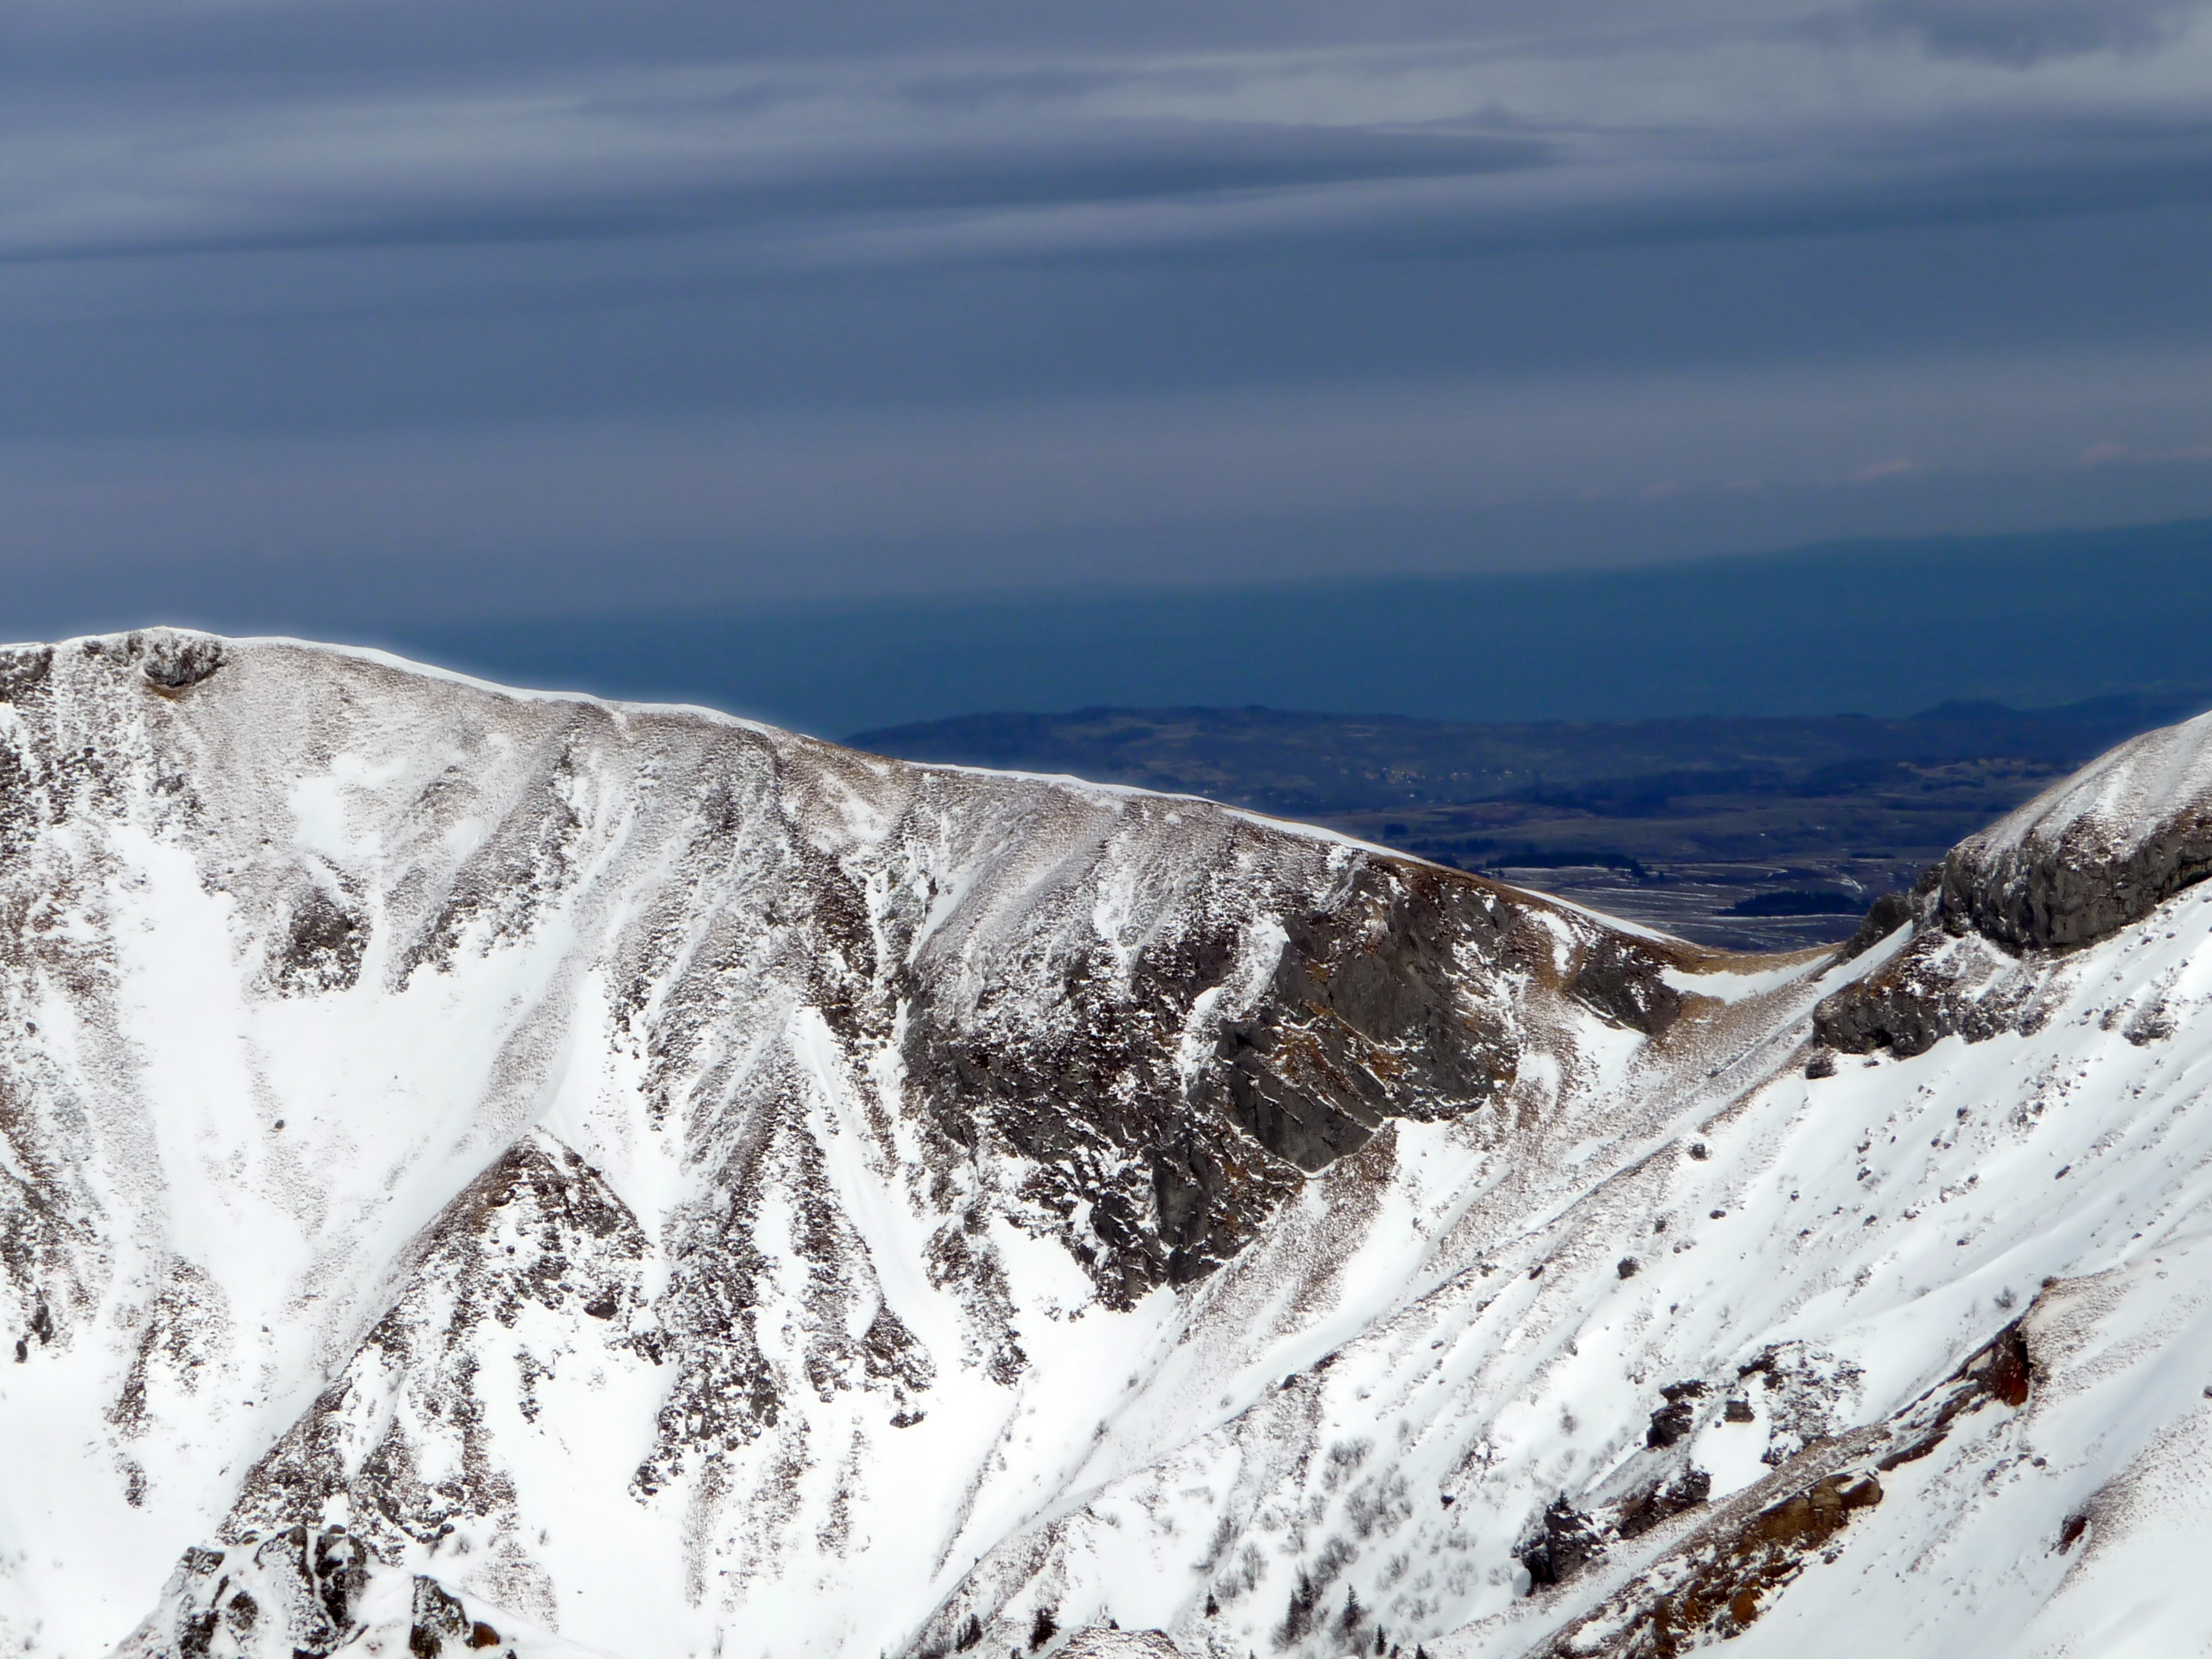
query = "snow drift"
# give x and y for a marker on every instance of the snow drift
(489, 1172)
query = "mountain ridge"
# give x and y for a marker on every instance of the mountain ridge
(482, 1166)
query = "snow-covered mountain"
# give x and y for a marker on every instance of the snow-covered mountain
(486, 1172)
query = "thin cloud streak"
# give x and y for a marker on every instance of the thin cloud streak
(891, 147)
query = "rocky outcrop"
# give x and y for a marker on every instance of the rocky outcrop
(1097, 1641)
(1663, 1501)
(1907, 1006)
(1564, 1543)
(1674, 1420)
(293, 1593)
(2072, 888)
(2091, 855)
(1618, 977)
(1889, 913)
(296, 1595)
(1940, 983)
(1378, 1006)
(171, 660)
(1718, 1578)
(2083, 860)
(438, 1623)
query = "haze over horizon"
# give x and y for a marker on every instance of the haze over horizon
(466, 314)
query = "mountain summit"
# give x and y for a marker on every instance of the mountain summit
(489, 1172)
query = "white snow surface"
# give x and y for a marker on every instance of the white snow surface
(285, 1228)
(2120, 798)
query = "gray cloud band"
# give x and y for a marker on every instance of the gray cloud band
(1729, 116)
(578, 267)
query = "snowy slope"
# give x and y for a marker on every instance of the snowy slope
(534, 1175)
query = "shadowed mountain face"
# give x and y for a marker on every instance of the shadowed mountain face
(497, 1173)
(1740, 834)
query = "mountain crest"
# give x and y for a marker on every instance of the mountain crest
(494, 1172)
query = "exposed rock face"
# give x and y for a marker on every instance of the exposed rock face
(1614, 977)
(291, 1596)
(1941, 983)
(1563, 1544)
(1717, 1580)
(171, 660)
(1664, 1501)
(2089, 856)
(1907, 1006)
(1889, 913)
(1673, 1420)
(290, 1593)
(1374, 1008)
(2083, 860)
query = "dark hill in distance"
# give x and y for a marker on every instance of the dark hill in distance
(1747, 833)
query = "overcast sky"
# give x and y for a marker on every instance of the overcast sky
(470, 306)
